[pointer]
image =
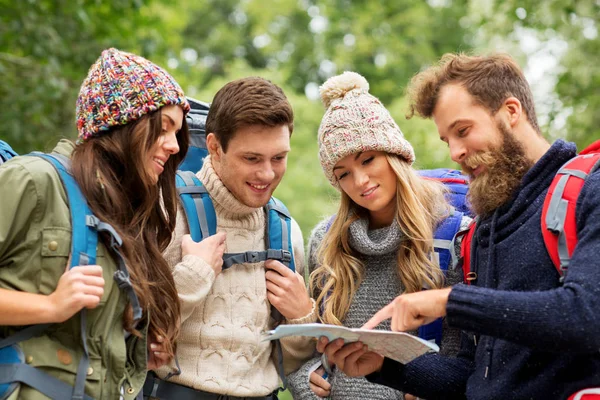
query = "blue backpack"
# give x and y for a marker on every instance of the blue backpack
(196, 121)
(443, 238)
(84, 241)
(6, 152)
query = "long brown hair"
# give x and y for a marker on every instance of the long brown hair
(420, 206)
(111, 172)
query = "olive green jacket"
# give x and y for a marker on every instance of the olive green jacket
(35, 243)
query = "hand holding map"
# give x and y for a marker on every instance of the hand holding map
(398, 346)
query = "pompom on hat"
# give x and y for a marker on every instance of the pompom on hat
(121, 88)
(355, 121)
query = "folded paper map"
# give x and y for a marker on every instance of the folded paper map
(398, 346)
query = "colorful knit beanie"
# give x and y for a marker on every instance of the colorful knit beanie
(120, 88)
(355, 121)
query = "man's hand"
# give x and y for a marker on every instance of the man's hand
(210, 249)
(80, 287)
(410, 311)
(318, 384)
(354, 359)
(286, 290)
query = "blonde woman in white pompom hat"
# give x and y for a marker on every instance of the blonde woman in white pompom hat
(379, 243)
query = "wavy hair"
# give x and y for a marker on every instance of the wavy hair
(112, 174)
(420, 206)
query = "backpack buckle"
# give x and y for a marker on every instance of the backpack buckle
(252, 256)
(279, 255)
(122, 280)
(287, 256)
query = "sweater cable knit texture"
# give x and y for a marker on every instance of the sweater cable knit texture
(220, 348)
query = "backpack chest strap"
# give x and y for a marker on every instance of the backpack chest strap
(230, 259)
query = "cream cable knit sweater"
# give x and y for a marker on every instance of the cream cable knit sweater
(220, 348)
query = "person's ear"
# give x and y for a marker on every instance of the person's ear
(514, 110)
(213, 146)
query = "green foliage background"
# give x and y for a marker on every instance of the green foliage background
(46, 47)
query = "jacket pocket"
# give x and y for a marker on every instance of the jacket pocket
(55, 251)
(61, 362)
(56, 259)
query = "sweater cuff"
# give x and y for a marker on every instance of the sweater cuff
(389, 372)
(307, 319)
(193, 269)
(467, 305)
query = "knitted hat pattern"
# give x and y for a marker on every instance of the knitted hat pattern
(355, 121)
(121, 88)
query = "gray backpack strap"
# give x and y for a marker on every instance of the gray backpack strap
(197, 205)
(48, 385)
(230, 259)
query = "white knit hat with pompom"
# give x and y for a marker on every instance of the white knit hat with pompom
(356, 121)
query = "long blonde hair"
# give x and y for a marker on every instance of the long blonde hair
(420, 206)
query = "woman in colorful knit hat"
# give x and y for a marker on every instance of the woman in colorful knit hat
(132, 137)
(380, 242)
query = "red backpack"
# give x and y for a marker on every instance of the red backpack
(558, 215)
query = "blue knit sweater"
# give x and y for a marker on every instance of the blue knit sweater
(528, 336)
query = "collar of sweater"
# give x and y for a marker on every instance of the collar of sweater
(529, 197)
(374, 241)
(227, 206)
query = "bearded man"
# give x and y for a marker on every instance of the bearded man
(527, 335)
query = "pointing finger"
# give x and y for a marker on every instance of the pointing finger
(380, 316)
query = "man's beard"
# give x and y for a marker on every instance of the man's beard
(505, 166)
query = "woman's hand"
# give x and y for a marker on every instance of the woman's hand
(80, 287)
(157, 357)
(353, 358)
(318, 384)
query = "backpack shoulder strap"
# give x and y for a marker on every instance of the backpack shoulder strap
(279, 247)
(197, 205)
(465, 252)
(84, 239)
(558, 214)
(6, 152)
(443, 239)
(279, 233)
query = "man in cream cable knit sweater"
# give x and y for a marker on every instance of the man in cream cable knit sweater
(220, 351)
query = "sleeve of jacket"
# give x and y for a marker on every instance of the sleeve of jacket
(298, 381)
(431, 376)
(20, 205)
(569, 315)
(193, 276)
(298, 349)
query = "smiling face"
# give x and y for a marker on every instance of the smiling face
(166, 145)
(369, 180)
(254, 163)
(484, 145)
